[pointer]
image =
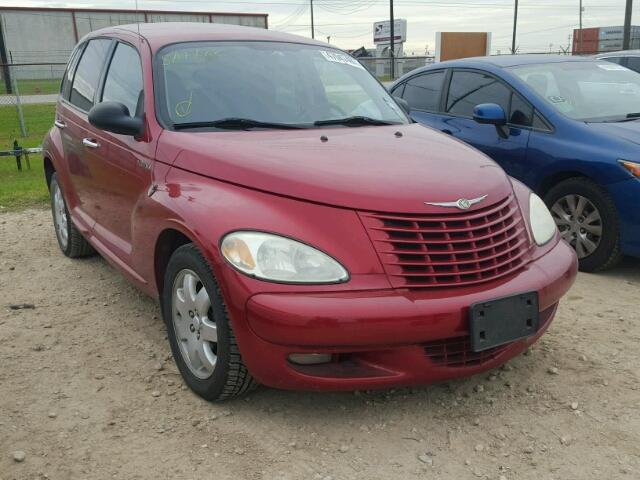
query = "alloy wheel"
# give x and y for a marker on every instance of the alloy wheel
(193, 323)
(60, 219)
(579, 223)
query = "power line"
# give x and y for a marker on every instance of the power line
(295, 15)
(402, 2)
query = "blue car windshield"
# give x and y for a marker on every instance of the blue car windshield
(270, 82)
(595, 91)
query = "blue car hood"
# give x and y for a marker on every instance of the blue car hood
(629, 131)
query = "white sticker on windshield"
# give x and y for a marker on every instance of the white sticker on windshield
(343, 58)
(556, 99)
(610, 66)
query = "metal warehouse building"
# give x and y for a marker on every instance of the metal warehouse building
(47, 35)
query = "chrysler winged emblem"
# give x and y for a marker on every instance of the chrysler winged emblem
(461, 203)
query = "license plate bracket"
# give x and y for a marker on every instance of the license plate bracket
(503, 320)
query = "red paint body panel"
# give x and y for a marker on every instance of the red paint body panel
(207, 184)
(366, 168)
(396, 317)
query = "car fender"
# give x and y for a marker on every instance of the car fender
(204, 210)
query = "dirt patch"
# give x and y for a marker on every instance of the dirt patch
(88, 390)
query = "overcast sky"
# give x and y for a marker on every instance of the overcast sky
(542, 25)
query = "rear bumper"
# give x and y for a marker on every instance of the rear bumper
(387, 338)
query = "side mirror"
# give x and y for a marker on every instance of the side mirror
(403, 104)
(492, 114)
(114, 117)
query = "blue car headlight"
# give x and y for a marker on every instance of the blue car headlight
(632, 167)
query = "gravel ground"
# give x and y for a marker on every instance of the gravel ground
(88, 390)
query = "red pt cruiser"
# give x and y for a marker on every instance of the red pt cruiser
(297, 229)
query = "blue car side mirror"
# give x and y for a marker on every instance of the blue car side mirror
(489, 113)
(492, 114)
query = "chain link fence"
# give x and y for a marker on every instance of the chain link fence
(381, 66)
(28, 94)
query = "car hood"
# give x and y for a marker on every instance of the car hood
(388, 169)
(629, 131)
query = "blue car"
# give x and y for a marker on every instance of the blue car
(567, 127)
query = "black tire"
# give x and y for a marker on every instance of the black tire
(230, 377)
(75, 245)
(607, 254)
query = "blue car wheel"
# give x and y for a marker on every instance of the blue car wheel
(587, 219)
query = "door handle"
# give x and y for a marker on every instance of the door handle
(88, 142)
(59, 123)
(447, 131)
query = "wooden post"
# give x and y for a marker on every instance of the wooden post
(626, 36)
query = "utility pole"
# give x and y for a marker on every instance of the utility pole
(626, 39)
(515, 25)
(392, 44)
(313, 32)
(580, 30)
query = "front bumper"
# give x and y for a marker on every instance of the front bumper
(386, 338)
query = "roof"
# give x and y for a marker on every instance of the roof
(621, 53)
(513, 60)
(160, 34)
(500, 61)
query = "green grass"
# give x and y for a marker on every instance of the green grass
(26, 188)
(34, 86)
(37, 118)
(22, 189)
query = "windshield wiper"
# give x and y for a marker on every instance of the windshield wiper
(236, 123)
(629, 117)
(354, 121)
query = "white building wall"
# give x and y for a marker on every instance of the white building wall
(48, 36)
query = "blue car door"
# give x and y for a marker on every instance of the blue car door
(454, 116)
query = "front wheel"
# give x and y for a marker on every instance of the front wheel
(199, 330)
(588, 220)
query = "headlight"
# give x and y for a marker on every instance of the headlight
(632, 167)
(542, 225)
(279, 259)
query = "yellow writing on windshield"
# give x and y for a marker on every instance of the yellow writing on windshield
(192, 55)
(183, 109)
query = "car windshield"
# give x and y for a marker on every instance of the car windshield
(268, 85)
(595, 91)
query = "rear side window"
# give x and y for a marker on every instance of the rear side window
(68, 74)
(618, 60)
(633, 63)
(423, 91)
(85, 81)
(469, 89)
(124, 79)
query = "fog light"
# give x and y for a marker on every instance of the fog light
(309, 358)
